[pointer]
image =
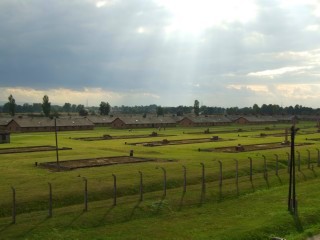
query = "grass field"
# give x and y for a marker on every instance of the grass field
(257, 211)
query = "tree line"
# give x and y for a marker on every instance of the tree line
(47, 109)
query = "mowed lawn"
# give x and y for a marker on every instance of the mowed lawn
(256, 210)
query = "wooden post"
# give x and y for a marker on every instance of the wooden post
(114, 190)
(13, 205)
(203, 186)
(318, 157)
(220, 178)
(277, 163)
(292, 201)
(309, 160)
(57, 148)
(250, 159)
(265, 170)
(50, 200)
(237, 176)
(141, 187)
(289, 159)
(299, 160)
(164, 181)
(85, 194)
(184, 178)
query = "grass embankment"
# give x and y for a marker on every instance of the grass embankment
(31, 185)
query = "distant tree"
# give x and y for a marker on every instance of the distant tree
(67, 107)
(73, 108)
(196, 107)
(180, 110)
(255, 109)
(46, 106)
(159, 111)
(81, 110)
(104, 108)
(12, 105)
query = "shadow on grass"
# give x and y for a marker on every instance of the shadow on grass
(76, 218)
(5, 227)
(160, 204)
(134, 209)
(280, 181)
(303, 175)
(202, 197)
(32, 228)
(181, 201)
(252, 186)
(297, 222)
(267, 182)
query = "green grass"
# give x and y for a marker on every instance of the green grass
(257, 213)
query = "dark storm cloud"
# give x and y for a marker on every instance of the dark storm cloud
(123, 46)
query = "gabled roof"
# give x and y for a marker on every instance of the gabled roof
(4, 121)
(147, 120)
(47, 122)
(101, 119)
(209, 119)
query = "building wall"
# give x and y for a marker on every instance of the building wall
(186, 122)
(118, 123)
(4, 138)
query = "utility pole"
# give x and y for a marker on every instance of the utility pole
(292, 202)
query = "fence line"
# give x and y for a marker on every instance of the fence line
(203, 181)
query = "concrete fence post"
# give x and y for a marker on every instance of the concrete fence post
(277, 164)
(13, 205)
(299, 161)
(250, 159)
(220, 178)
(85, 194)
(203, 185)
(309, 160)
(50, 200)
(265, 169)
(184, 178)
(237, 175)
(114, 190)
(289, 162)
(141, 186)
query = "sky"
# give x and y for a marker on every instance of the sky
(167, 52)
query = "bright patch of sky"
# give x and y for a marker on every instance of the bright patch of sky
(166, 52)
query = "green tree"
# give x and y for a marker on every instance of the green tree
(104, 108)
(12, 105)
(196, 108)
(46, 106)
(67, 107)
(159, 111)
(81, 110)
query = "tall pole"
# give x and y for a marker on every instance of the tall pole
(237, 176)
(57, 148)
(203, 188)
(184, 178)
(277, 163)
(114, 189)
(85, 194)
(250, 159)
(141, 186)
(220, 178)
(308, 158)
(50, 200)
(265, 170)
(292, 202)
(288, 168)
